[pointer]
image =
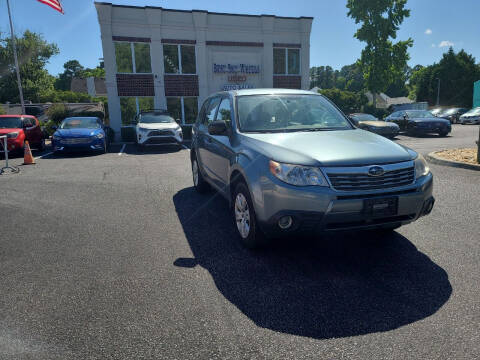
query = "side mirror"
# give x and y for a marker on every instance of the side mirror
(218, 127)
(355, 122)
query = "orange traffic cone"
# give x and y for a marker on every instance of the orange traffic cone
(27, 155)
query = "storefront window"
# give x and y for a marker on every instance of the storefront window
(286, 61)
(189, 106)
(179, 59)
(131, 106)
(123, 54)
(142, 58)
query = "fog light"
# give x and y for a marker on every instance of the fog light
(285, 222)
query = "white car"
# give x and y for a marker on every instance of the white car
(470, 117)
(157, 128)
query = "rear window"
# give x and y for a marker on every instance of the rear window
(10, 123)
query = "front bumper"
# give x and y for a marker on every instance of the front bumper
(324, 209)
(429, 129)
(171, 139)
(94, 145)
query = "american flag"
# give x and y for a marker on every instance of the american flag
(54, 4)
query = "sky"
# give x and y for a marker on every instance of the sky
(434, 25)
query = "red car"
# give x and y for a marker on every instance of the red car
(19, 128)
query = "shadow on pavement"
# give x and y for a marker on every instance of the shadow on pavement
(149, 150)
(328, 287)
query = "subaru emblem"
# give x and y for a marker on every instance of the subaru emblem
(376, 171)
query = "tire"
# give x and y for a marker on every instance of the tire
(140, 147)
(198, 181)
(104, 150)
(41, 145)
(244, 216)
(443, 133)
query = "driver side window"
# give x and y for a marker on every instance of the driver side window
(225, 113)
(211, 110)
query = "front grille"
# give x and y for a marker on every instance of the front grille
(159, 141)
(76, 141)
(358, 181)
(160, 133)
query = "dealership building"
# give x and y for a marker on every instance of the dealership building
(174, 59)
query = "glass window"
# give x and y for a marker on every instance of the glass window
(170, 59)
(128, 109)
(123, 55)
(288, 113)
(174, 107)
(212, 108)
(10, 123)
(201, 117)
(188, 59)
(279, 61)
(294, 61)
(190, 106)
(142, 58)
(224, 112)
(145, 103)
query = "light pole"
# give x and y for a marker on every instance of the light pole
(20, 91)
(438, 92)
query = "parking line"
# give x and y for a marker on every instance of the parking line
(122, 149)
(41, 156)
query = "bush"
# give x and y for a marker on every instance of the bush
(47, 128)
(2, 110)
(378, 113)
(349, 102)
(98, 114)
(57, 112)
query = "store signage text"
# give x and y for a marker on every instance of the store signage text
(228, 87)
(236, 68)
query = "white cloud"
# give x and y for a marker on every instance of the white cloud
(428, 31)
(433, 45)
(446, 43)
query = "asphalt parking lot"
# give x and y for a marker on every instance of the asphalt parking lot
(116, 256)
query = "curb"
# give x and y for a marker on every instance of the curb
(433, 158)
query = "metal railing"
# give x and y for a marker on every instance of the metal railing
(12, 169)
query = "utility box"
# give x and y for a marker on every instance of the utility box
(476, 94)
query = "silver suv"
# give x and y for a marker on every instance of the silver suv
(289, 161)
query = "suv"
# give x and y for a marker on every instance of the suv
(157, 127)
(289, 160)
(19, 128)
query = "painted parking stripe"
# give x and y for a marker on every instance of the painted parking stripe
(44, 155)
(122, 150)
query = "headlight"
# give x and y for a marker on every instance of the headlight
(12, 135)
(297, 174)
(100, 136)
(421, 167)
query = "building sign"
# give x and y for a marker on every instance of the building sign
(236, 68)
(228, 87)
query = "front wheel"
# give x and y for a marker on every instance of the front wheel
(245, 219)
(198, 181)
(443, 133)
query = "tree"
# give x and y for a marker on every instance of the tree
(349, 102)
(33, 54)
(457, 73)
(382, 61)
(72, 69)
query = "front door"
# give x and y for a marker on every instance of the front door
(204, 139)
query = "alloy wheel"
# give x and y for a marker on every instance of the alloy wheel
(242, 215)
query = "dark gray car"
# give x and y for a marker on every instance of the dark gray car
(289, 160)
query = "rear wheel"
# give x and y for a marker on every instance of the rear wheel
(443, 133)
(198, 181)
(245, 219)
(41, 145)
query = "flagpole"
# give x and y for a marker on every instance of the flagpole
(16, 59)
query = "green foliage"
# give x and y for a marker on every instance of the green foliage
(97, 72)
(457, 73)
(2, 110)
(55, 96)
(347, 101)
(64, 80)
(57, 112)
(98, 114)
(349, 77)
(382, 61)
(33, 54)
(378, 113)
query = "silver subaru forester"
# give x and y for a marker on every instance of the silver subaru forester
(290, 161)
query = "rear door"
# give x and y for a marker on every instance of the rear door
(32, 130)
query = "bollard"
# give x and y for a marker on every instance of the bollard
(3, 140)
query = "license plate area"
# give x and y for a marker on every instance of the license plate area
(380, 207)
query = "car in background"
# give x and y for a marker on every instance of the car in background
(470, 117)
(157, 127)
(371, 123)
(452, 114)
(417, 122)
(289, 161)
(21, 128)
(437, 111)
(80, 134)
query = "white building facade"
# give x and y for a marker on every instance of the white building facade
(159, 58)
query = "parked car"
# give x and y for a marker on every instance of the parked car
(20, 128)
(371, 123)
(289, 160)
(470, 117)
(157, 127)
(453, 114)
(416, 122)
(80, 134)
(437, 111)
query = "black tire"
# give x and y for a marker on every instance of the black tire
(254, 238)
(443, 133)
(198, 181)
(140, 147)
(41, 145)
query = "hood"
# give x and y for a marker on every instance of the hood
(329, 148)
(158, 126)
(379, 124)
(6, 131)
(77, 132)
(432, 119)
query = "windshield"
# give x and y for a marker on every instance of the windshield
(80, 123)
(449, 112)
(419, 114)
(155, 119)
(10, 123)
(475, 111)
(436, 111)
(364, 117)
(288, 113)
